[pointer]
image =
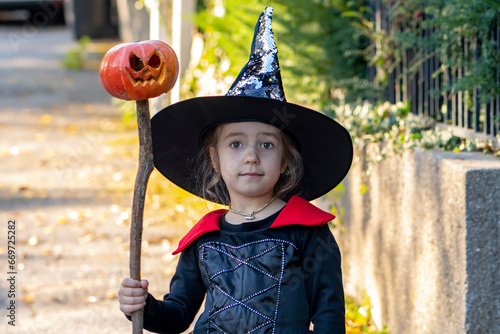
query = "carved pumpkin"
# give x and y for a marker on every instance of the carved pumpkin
(139, 70)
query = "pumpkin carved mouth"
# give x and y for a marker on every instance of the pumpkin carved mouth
(152, 72)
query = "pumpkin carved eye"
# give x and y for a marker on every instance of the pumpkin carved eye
(136, 63)
(154, 61)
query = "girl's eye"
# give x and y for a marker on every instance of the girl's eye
(235, 144)
(267, 145)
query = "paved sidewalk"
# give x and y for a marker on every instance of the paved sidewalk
(67, 169)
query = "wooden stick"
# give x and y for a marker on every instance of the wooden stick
(146, 166)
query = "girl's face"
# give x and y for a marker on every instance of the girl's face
(249, 156)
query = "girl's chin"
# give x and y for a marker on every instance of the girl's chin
(251, 193)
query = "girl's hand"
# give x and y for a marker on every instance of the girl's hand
(132, 295)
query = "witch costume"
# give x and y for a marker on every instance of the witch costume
(276, 275)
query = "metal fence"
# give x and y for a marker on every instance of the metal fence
(462, 111)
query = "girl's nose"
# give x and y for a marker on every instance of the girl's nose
(251, 156)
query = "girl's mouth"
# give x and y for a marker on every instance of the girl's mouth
(251, 174)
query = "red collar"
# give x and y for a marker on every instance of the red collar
(297, 211)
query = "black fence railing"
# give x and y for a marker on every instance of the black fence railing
(464, 112)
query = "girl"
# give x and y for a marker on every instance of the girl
(269, 263)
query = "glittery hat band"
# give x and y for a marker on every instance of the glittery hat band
(261, 76)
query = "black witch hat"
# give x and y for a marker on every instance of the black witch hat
(256, 95)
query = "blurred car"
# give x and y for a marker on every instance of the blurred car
(40, 12)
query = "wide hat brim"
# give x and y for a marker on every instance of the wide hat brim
(178, 130)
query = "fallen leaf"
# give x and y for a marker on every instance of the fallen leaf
(46, 119)
(28, 298)
(47, 252)
(154, 241)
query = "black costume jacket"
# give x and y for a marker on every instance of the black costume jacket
(271, 276)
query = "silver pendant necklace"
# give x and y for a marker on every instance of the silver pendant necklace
(251, 215)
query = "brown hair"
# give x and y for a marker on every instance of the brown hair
(213, 187)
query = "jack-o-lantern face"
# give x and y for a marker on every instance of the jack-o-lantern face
(146, 73)
(139, 70)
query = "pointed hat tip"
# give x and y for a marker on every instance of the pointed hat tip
(261, 76)
(264, 37)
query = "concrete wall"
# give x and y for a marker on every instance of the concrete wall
(423, 241)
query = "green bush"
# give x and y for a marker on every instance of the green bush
(391, 129)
